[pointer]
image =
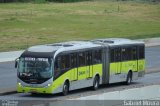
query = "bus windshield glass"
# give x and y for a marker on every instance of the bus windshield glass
(37, 68)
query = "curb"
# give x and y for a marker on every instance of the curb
(8, 93)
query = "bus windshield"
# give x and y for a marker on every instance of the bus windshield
(37, 68)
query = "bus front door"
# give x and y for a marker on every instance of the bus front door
(74, 73)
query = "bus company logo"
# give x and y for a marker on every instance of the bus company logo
(9, 103)
(81, 73)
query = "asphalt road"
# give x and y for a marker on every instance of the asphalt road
(8, 72)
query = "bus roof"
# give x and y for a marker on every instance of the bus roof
(117, 41)
(56, 48)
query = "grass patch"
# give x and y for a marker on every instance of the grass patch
(27, 24)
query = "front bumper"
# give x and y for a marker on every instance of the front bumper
(44, 90)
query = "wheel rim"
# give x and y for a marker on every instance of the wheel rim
(96, 83)
(129, 79)
(65, 89)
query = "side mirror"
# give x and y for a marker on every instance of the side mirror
(16, 62)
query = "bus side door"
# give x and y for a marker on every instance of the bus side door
(89, 70)
(118, 60)
(81, 66)
(134, 58)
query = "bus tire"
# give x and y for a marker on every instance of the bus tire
(65, 88)
(129, 78)
(96, 83)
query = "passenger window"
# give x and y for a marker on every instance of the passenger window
(89, 58)
(112, 55)
(57, 67)
(134, 53)
(65, 62)
(126, 53)
(129, 53)
(62, 64)
(81, 58)
(118, 54)
(141, 52)
(97, 56)
(123, 53)
(73, 60)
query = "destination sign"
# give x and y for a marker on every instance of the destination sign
(35, 59)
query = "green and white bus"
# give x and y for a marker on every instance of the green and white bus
(66, 66)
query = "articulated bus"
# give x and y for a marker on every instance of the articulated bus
(66, 66)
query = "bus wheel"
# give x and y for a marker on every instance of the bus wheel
(65, 89)
(129, 78)
(96, 83)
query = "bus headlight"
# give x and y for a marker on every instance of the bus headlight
(19, 84)
(49, 85)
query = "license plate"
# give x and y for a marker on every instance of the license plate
(33, 91)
